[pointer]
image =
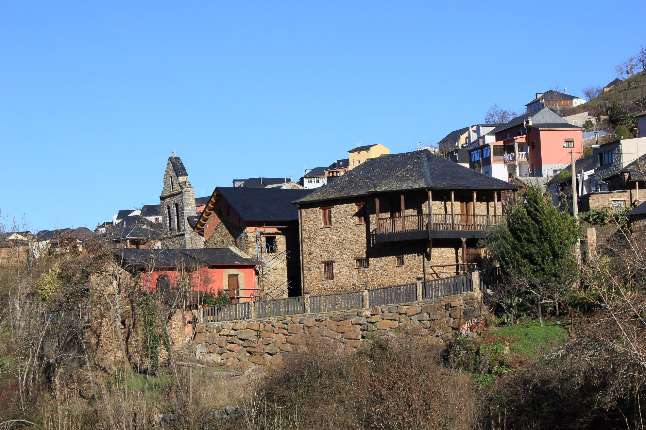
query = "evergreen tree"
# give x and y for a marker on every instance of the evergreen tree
(535, 250)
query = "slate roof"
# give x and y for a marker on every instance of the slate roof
(122, 213)
(263, 205)
(201, 200)
(636, 169)
(545, 118)
(407, 171)
(151, 210)
(638, 212)
(362, 148)
(613, 82)
(81, 233)
(453, 135)
(343, 163)
(260, 182)
(140, 259)
(177, 165)
(317, 172)
(135, 227)
(553, 95)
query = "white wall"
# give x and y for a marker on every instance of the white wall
(309, 183)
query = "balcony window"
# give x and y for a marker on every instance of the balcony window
(326, 214)
(270, 244)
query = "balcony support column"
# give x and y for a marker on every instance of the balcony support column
(452, 212)
(464, 252)
(495, 206)
(402, 210)
(473, 211)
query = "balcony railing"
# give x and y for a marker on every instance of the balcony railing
(411, 227)
(511, 157)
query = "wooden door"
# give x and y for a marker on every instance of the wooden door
(233, 287)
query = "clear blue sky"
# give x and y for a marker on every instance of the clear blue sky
(94, 96)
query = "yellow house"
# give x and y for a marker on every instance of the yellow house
(360, 154)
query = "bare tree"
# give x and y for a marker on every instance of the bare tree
(592, 92)
(497, 115)
(628, 68)
(641, 58)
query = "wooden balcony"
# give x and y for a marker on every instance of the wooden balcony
(435, 226)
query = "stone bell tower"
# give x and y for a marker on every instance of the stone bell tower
(177, 204)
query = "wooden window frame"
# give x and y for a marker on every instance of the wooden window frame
(361, 263)
(328, 270)
(326, 221)
(400, 261)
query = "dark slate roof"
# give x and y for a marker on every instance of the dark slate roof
(135, 227)
(80, 233)
(263, 205)
(453, 135)
(122, 213)
(545, 116)
(201, 200)
(140, 259)
(555, 125)
(407, 171)
(613, 82)
(316, 172)
(260, 182)
(151, 210)
(340, 164)
(553, 95)
(362, 148)
(638, 212)
(637, 169)
(178, 166)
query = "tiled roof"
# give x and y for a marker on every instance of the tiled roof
(362, 148)
(139, 259)
(407, 171)
(543, 117)
(553, 95)
(339, 164)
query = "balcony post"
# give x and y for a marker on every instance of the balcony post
(473, 212)
(452, 212)
(429, 203)
(464, 252)
(402, 210)
(495, 206)
(377, 211)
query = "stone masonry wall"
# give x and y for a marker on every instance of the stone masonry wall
(345, 240)
(243, 344)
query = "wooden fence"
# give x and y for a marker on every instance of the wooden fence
(406, 293)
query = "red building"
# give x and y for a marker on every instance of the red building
(209, 270)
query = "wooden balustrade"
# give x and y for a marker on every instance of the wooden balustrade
(444, 222)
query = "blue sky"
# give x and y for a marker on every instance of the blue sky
(94, 96)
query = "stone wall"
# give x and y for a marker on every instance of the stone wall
(605, 199)
(346, 240)
(242, 344)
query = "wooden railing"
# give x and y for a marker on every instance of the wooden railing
(413, 223)
(392, 295)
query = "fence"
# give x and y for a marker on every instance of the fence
(396, 294)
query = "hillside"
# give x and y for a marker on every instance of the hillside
(630, 94)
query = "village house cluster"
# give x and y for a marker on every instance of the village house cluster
(372, 219)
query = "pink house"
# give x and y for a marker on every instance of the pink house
(538, 145)
(208, 270)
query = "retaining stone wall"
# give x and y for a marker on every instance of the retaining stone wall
(243, 344)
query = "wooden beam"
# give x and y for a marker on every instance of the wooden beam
(377, 208)
(429, 204)
(402, 209)
(452, 212)
(464, 252)
(495, 204)
(473, 211)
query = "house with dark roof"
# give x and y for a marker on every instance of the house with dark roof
(314, 178)
(338, 168)
(612, 84)
(393, 219)
(152, 213)
(262, 222)
(555, 100)
(212, 271)
(135, 231)
(536, 144)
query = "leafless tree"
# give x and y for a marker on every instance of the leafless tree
(497, 115)
(641, 58)
(628, 68)
(591, 92)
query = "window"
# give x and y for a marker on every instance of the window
(170, 220)
(569, 143)
(328, 270)
(498, 150)
(270, 244)
(172, 184)
(400, 261)
(360, 215)
(327, 216)
(177, 218)
(606, 158)
(361, 263)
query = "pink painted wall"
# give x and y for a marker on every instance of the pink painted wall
(210, 280)
(549, 144)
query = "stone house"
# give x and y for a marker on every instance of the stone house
(212, 271)
(617, 187)
(314, 178)
(263, 223)
(178, 208)
(393, 219)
